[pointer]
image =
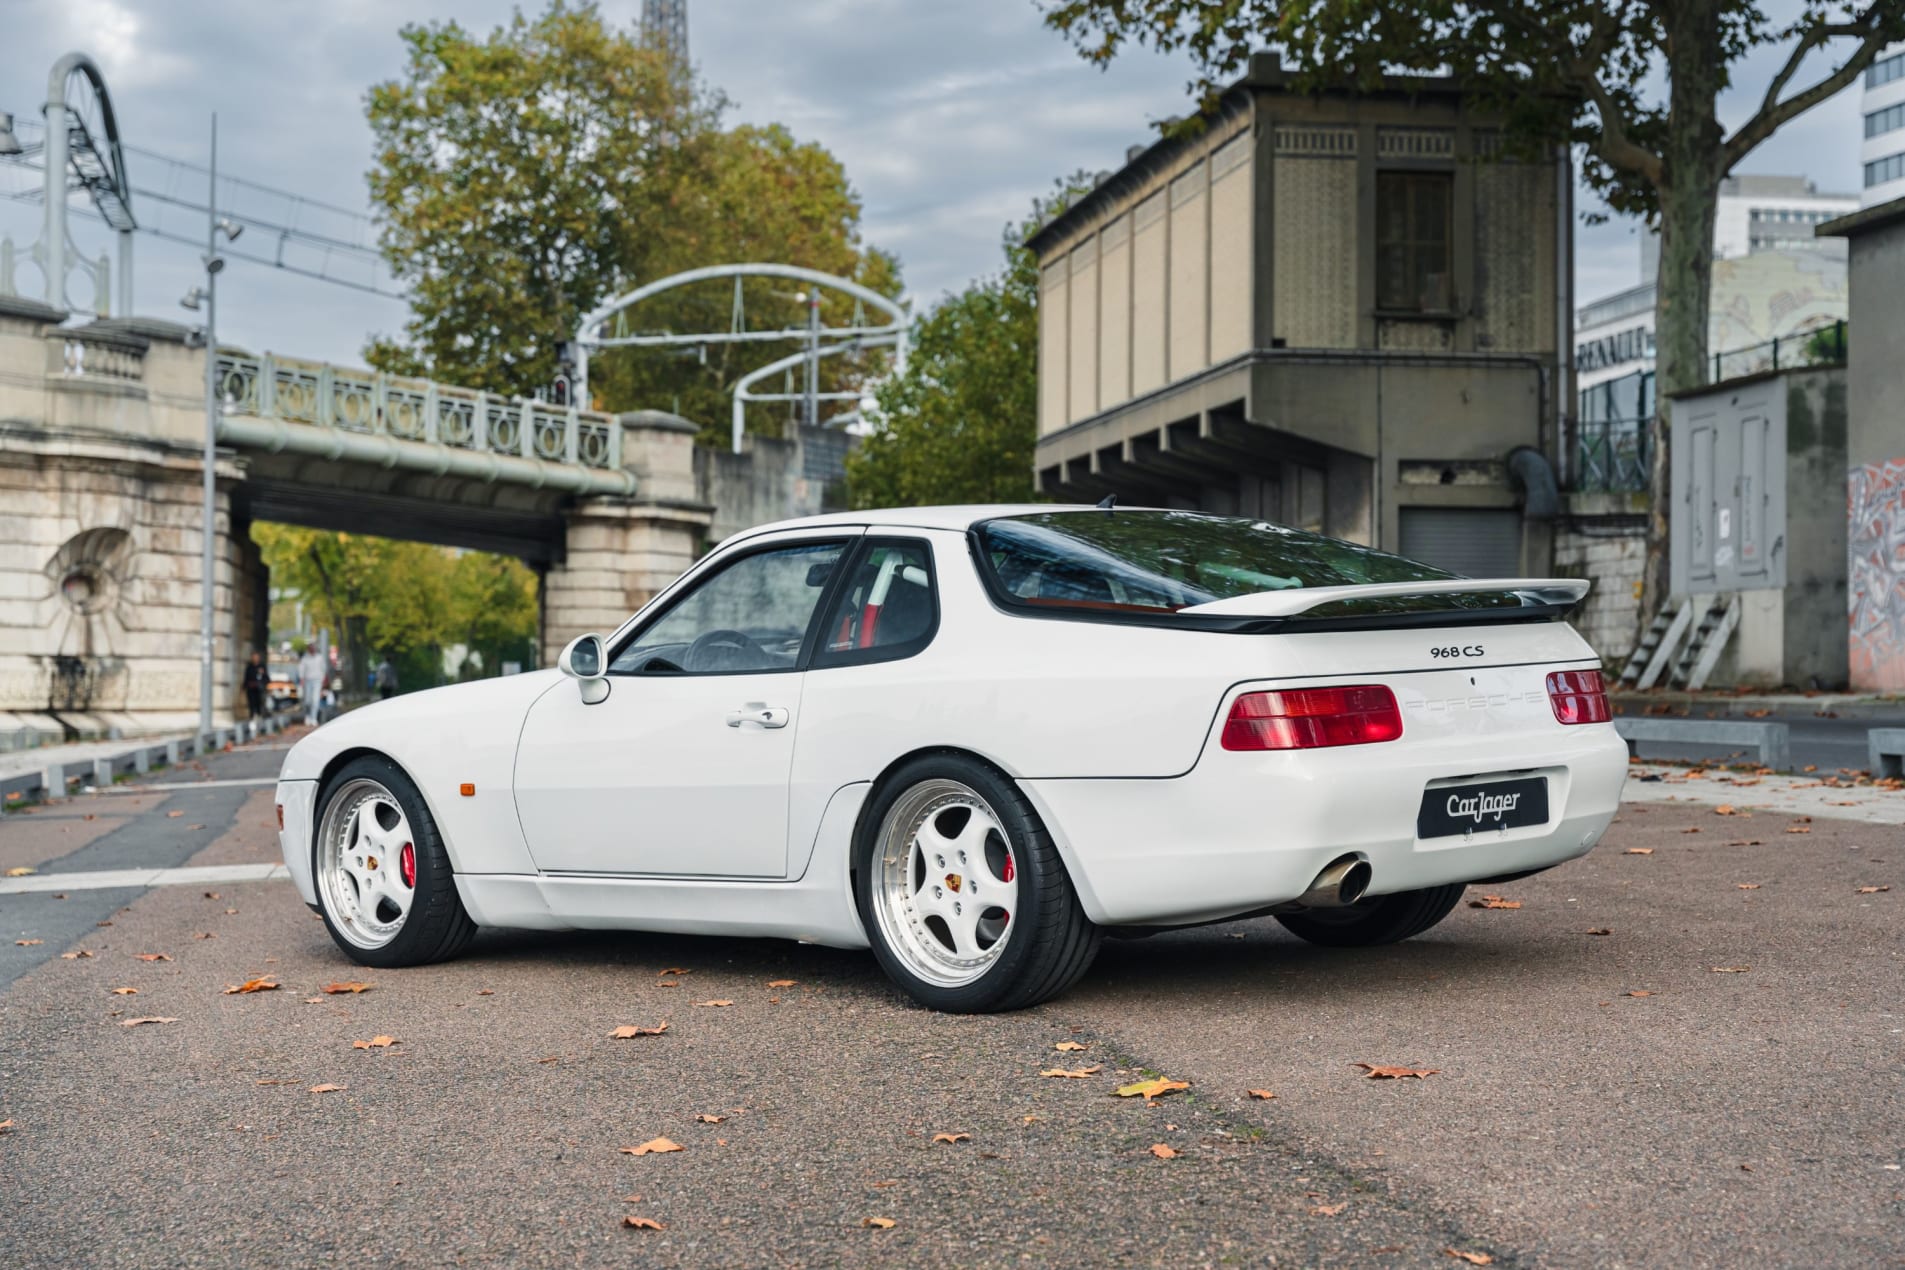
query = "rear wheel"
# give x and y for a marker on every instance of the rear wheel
(962, 893)
(1380, 919)
(384, 881)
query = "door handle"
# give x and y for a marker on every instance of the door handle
(759, 713)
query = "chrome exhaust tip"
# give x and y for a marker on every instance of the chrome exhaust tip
(1339, 885)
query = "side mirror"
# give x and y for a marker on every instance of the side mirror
(585, 661)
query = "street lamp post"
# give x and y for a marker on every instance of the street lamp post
(208, 296)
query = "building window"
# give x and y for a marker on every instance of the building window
(1879, 171)
(1414, 241)
(1880, 122)
(1885, 70)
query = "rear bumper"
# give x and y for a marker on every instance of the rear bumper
(1242, 831)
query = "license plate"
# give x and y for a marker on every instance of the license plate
(1455, 809)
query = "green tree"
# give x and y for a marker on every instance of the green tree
(960, 424)
(525, 177)
(1634, 83)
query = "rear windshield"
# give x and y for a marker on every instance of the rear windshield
(1162, 561)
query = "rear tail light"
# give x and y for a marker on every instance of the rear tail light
(1312, 718)
(1579, 696)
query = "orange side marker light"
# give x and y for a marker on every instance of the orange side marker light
(467, 789)
(280, 817)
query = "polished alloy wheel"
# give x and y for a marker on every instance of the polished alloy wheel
(946, 883)
(366, 863)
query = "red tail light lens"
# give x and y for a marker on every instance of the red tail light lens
(1312, 718)
(1579, 696)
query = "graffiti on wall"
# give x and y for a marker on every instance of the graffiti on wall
(1875, 574)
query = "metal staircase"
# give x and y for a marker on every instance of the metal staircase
(1705, 624)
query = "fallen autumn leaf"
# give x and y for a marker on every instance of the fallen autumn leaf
(1068, 1047)
(643, 1223)
(1599, 930)
(1638, 851)
(1163, 1152)
(1494, 901)
(782, 983)
(28, 943)
(152, 956)
(654, 1146)
(1150, 1089)
(1079, 1074)
(328, 1089)
(252, 985)
(156, 1018)
(338, 989)
(1396, 1073)
(375, 1043)
(1473, 1258)
(125, 992)
(878, 1223)
(1729, 970)
(712, 1004)
(1328, 1210)
(1872, 890)
(950, 1138)
(1261, 1094)
(707, 1119)
(627, 1030)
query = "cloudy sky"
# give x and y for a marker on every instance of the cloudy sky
(948, 117)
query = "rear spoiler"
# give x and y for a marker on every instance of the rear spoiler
(1553, 595)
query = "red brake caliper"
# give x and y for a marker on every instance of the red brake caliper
(407, 865)
(1007, 877)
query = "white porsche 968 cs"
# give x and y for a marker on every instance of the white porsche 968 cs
(977, 739)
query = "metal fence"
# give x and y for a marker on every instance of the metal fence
(1613, 428)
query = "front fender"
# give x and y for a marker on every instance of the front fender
(445, 740)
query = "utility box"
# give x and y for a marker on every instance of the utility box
(1727, 524)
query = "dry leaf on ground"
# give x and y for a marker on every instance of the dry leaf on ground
(125, 992)
(1079, 1074)
(1473, 1258)
(1744, 842)
(1798, 828)
(1494, 901)
(1377, 1072)
(712, 1004)
(782, 983)
(654, 1146)
(1729, 970)
(878, 1223)
(252, 985)
(1692, 829)
(1638, 851)
(628, 1029)
(20, 872)
(950, 1138)
(156, 1018)
(1068, 1047)
(1328, 1210)
(375, 1043)
(153, 956)
(75, 955)
(1150, 1089)
(328, 1089)
(1725, 809)
(174, 815)
(338, 989)
(1164, 1152)
(1638, 992)
(1746, 886)
(1260, 1094)
(1873, 890)
(1599, 930)
(706, 1119)
(27, 943)
(672, 970)
(643, 1223)
(6, 1126)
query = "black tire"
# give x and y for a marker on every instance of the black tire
(1381, 919)
(1052, 942)
(437, 927)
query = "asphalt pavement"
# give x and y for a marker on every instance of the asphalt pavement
(1685, 1049)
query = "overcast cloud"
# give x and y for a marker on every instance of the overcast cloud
(949, 118)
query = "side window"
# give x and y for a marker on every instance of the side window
(750, 616)
(888, 609)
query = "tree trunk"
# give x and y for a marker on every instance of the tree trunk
(1689, 197)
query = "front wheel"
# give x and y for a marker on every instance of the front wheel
(1380, 919)
(962, 892)
(384, 881)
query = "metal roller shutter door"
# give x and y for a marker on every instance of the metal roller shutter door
(1476, 542)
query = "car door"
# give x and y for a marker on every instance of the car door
(683, 769)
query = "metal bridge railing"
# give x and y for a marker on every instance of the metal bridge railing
(1613, 429)
(373, 403)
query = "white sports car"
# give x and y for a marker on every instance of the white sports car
(977, 739)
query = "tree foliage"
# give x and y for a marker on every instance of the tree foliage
(960, 424)
(413, 600)
(525, 177)
(1586, 72)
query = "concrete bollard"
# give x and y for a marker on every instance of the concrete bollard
(55, 782)
(142, 760)
(102, 773)
(174, 751)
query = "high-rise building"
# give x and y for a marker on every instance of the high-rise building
(1882, 150)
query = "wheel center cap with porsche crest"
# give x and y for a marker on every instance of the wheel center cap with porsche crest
(954, 881)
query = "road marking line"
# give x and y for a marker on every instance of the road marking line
(171, 785)
(109, 879)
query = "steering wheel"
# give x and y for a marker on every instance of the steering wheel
(720, 639)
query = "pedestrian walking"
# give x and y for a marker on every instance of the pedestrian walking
(311, 684)
(386, 678)
(257, 683)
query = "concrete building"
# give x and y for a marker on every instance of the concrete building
(1882, 148)
(1801, 285)
(1343, 312)
(1875, 448)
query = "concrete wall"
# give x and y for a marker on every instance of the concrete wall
(1604, 540)
(1875, 454)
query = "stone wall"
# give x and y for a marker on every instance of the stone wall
(1603, 540)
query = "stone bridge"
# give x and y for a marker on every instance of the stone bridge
(101, 438)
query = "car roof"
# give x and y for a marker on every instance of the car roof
(957, 517)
